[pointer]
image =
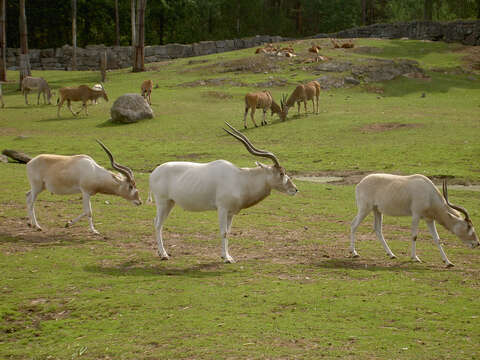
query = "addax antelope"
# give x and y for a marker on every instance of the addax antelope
(78, 174)
(414, 196)
(217, 185)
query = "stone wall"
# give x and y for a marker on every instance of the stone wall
(121, 56)
(464, 31)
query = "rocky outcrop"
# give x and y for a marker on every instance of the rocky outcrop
(130, 108)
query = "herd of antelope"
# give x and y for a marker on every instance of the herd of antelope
(81, 93)
(222, 186)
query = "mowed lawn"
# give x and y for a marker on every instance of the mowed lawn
(294, 291)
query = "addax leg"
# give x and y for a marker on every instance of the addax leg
(87, 211)
(436, 239)
(378, 229)
(225, 222)
(362, 213)
(264, 121)
(163, 210)
(415, 221)
(31, 197)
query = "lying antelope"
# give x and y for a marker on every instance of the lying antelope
(303, 93)
(82, 93)
(31, 83)
(414, 196)
(260, 100)
(78, 174)
(217, 185)
(147, 87)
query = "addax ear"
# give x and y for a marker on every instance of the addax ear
(259, 164)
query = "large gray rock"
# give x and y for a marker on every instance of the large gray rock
(130, 108)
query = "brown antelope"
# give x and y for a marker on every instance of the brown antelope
(414, 196)
(78, 174)
(82, 93)
(30, 83)
(303, 93)
(348, 44)
(315, 50)
(217, 185)
(261, 100)
(335, 43)
(147, 87)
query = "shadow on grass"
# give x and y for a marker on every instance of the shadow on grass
(394, 265)
(34, 238)
(110, 123)
(132, 268)
(61, 119)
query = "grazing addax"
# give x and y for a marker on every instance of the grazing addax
(260, 100)
(303, 93)
(82, 93)
(31, 83)
(78, 174)
(217, 185)
(414, 196)
(146, 88)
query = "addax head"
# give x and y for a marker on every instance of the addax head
(279, 179)
(128, 189)
(464, 227)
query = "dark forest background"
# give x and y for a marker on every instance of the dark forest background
(186, 21)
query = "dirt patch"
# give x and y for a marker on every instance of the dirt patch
(217, 95)
(374, 89)
(472, 58)
(273, 83)
(254, 64)
(381, 127)
(213, 82)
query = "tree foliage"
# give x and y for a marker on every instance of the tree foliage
(187, 21)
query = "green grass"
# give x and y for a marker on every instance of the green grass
(294, 292)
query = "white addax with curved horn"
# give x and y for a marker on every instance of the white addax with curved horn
(78, 174)
(414, 196)
(217, 185)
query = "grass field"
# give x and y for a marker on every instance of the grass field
(294, 291)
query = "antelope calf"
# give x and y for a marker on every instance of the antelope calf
(217, 185)
(82, 93)
(146, 88)
(414, 196)
(78, 174)
(261, 100)
(30, 83)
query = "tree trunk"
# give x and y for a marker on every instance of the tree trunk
(132, 4)
(74, 34)
(139, 63)
(364, 12)
(3, 43)
(103, 66)
(478, 9)
(428, 10)
(298, 17)
(117, 25)
(24, 59)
